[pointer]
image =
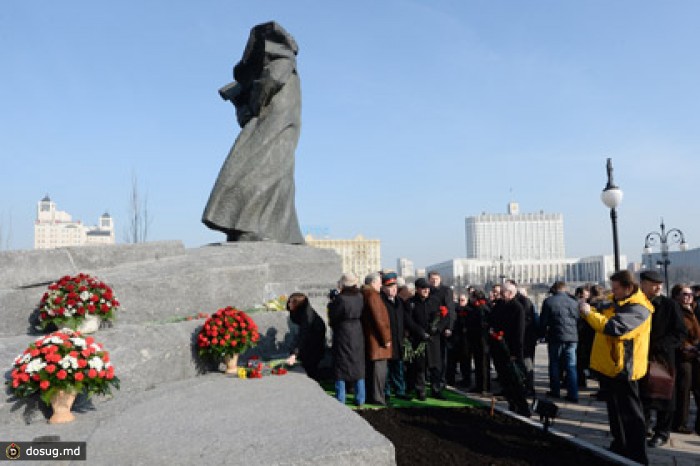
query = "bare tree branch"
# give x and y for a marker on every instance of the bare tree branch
(139, 221)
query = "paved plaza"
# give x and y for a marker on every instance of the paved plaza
(586, 422)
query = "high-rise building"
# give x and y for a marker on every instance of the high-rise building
(514, 236)
(54, 228)
(528, 248)
(359, 255)
(405, 268)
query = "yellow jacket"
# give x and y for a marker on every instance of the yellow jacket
(621, 344)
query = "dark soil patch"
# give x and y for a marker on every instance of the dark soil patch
(470, 436)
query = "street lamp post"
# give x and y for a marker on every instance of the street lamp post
(665, 238)
(611, 197)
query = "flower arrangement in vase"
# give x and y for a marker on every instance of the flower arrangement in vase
(77, 300)
(226, 334)
(63, 363)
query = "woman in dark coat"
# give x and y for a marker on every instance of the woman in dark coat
(310, 343)
(344, 313)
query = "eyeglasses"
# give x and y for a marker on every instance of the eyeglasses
(687, 294)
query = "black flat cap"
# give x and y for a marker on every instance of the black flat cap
(422, 283)
(651, 276)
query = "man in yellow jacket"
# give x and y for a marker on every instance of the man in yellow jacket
(619, 355)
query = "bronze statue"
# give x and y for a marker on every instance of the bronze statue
(253, 197)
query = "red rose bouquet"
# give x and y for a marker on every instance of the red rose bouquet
(227, 332)
(63, 361)
(256, 369)
(69, 300)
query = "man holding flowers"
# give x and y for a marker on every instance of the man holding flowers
(427, 320)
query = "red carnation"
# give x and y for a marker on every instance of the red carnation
(82, 363)
(50, 368)
(79, 376)
(443, 311)
(44, 384)
(61, 375)
(92, 373)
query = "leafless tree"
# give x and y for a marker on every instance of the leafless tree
(139, 220)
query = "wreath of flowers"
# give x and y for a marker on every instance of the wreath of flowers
(70, 299)
(227, 332)
(63, 360)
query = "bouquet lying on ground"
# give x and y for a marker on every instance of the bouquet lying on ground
(70, 299)
(274, 304)
(63, 360)
(227, 332)
(256, 369)
(409, 352)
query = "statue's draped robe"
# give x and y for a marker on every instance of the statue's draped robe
(254, 192)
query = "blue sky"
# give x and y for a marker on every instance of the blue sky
(415, 114)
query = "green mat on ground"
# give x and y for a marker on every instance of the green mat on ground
(453, 400)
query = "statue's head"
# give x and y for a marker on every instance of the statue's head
(267, 42)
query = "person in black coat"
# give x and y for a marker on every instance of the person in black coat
(426, 323)
(310, 343)
(458, 351)
(506, 344)
(477, 325)
(445, 297)
(344, 313)
(667, 333)
(395, 307)
(530, 338)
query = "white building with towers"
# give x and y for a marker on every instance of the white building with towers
(54, 228)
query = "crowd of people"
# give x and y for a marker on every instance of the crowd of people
(393, 339)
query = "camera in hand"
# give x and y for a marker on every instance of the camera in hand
(332, 294)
